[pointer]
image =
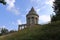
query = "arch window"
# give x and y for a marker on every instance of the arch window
(36, 20)
(28, 20)
(32, 20)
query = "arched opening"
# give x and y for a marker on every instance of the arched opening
(28, 20)
(32, 20)
(36, 20)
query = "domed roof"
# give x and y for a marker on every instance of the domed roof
(32, 12)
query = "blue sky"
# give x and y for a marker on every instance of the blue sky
(13, 14)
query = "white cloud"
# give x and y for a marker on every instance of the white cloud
(38, 10)
(11, 6)
(19, 22)
(35, 1)
(49, 2)
(3, 26)
(44, 18)
(27, 10)
(10, 3)
(15, 24)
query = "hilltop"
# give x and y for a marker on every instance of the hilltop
(49, 31)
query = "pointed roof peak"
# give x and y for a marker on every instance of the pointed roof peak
(32, 12)
(32, 9)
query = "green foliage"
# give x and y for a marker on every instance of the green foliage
(56, 8)
(12, 31)
(49, 31)
(3, 2)
(4, 31)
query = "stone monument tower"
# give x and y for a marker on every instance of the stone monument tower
(32, 17)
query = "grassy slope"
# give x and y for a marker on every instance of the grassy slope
(45, 32)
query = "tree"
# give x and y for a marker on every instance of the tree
(56, 7)
(3, 2)
(4, 31)
(12, 31)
